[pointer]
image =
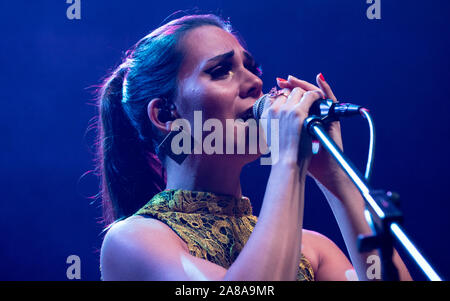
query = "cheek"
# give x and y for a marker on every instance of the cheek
(218, 104)
(213, 99)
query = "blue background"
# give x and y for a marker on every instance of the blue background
(398, 67)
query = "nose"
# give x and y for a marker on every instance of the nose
(251, 86)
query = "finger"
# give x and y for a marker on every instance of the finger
(325, 87)
(295, 96)
(282, 83)
(291, 85)
(301, 83)
(278, 101)
(282, 98)
(271, 97)
(285, 84)
(295, 82)
(309, 97)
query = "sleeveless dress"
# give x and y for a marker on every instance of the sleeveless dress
(214, 227)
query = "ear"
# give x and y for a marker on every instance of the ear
(153, 110)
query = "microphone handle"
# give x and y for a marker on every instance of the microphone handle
(320, 108)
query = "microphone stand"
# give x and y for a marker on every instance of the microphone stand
(383, 209)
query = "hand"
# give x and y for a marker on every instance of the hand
(290, 109)
(322, 166)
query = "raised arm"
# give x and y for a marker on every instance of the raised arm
(344, 199)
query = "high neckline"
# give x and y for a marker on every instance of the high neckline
(187, 201)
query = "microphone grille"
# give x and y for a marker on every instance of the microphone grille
(258, 107)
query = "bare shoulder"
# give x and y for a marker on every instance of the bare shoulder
(319, 242)
(147, 229)
(141, 230)
(327, 259)
(141, 248)
(310, 240)
(133, 247)
(314, 238)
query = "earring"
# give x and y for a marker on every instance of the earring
(164, 148)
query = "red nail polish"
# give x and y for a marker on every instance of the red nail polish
(281, 80)
(321, 77)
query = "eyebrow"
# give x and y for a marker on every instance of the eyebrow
(230, 54)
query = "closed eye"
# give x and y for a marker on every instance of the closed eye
(225, 65)
(220, 70)
(224, 69)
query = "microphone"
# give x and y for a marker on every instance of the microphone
(324, 108)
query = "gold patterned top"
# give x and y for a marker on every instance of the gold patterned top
(215, 227)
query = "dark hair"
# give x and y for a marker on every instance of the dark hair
(130, 171)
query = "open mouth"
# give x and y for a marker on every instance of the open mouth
(247, 114)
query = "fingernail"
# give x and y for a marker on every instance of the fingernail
(281, 80)
(321, 77)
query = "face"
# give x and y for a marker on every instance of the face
(218, 77)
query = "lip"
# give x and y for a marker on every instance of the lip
(247, 114)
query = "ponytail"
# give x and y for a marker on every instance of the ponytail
(130, 170)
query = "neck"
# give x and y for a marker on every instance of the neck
(200, 174)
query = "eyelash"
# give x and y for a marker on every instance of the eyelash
(224, 69)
